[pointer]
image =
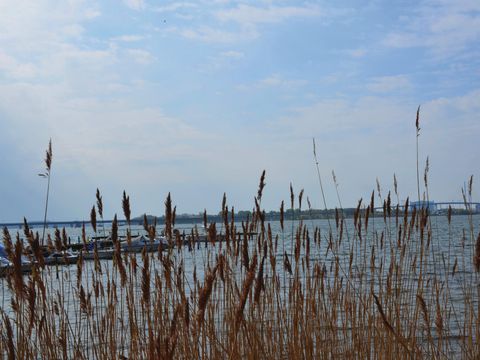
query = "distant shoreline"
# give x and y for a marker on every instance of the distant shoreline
(240, 216)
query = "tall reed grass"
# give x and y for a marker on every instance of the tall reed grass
(374, 294)
(387, 285)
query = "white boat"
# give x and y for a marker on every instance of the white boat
(105, 254)
(140, 242)
(61, 258)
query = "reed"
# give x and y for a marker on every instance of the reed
(46, 174)
(318, 305)
(374, 286)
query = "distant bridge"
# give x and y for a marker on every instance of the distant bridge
(435, 206)
(460, 203)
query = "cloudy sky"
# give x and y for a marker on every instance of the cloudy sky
(197, 98)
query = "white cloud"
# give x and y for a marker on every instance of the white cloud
(215, 35)
(225, 59)
(247, 14)
(92, 13)
(31, 26)
(443, 27)
(140, 56)
(274, 81)
(233, 54)
(41, 40)
(73, 30)
(12, 68)
(176, 6)
(456, 112)
(385, 84)
(241, 22)
(338, 115)
(128, 38)
(356, 53)
(135, 4)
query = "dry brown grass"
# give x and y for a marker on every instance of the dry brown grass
(378, 286)
(373, 295)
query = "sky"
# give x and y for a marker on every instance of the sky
(197, 98)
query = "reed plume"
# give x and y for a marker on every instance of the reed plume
(34, 243)
(58, 240)
(64, 238)
(114, 234)
(99, 203)
(26, 229)
(204, 295)
(224, 204)
(168, 218)
(145, 223)
(17, 268)
(292, 197)
(300, 197)
(46, 174)
(7, 242)
(126, 206)
(282, 215)
(93, 219)
(261, 186)
(286, 263)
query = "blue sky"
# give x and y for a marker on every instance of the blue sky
(197, 98)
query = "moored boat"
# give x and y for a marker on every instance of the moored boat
(103, 254)
(141, 242)
(61, 258)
